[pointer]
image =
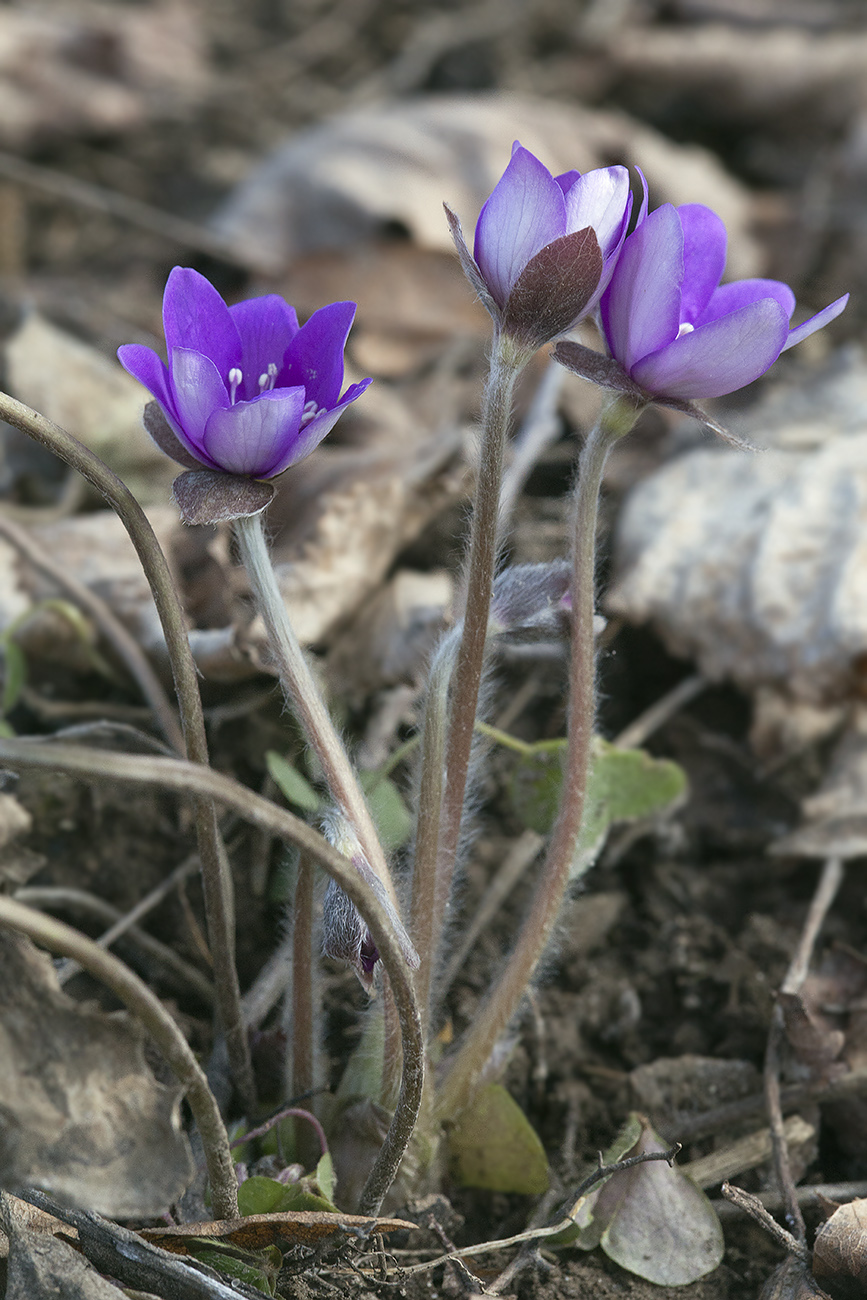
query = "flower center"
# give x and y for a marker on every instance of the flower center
(685, 328)
(310, 412)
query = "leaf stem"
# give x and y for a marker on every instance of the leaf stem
(136, 995)
(501, 1004)
(216, 879)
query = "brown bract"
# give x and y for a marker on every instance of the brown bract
(553, 289)
(206, 496)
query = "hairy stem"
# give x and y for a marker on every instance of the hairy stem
(216, 880)
(193, 780)
(504, 998)
(135, 994)
(303, 1010)
(481, 563)
(300, 688)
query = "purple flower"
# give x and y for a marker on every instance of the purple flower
(246, 391)
(546, 246)
(674, 332)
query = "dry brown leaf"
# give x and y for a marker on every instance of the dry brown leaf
(348, 179)
(65, 379)
(840, 1252)
(754, 563)
(81, 1116)
(97, 68)
(257, 1231)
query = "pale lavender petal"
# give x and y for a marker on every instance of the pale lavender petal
(740, 293)
(267, 326)
(641, 310)
(645, 200)
(314, 358)
(599, 199)
(254, 437)
(823, 317)
(719, 357)
(196, 318)
(525, 212)
(704, 258)
(198, 389)
(312, 434)
(149, 369)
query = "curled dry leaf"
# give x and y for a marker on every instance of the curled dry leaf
(81, 1115)
(840, 1252)
(345, 180)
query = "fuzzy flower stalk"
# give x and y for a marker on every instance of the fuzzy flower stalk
(544, 250)
(674, 334)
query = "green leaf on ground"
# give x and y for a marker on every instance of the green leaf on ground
(493, 1145)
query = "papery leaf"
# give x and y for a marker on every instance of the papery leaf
(651, 1219)
(294, 787)
(493, 1145)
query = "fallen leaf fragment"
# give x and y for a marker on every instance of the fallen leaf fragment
(257, 1231)
(82, 1116)
(651, 1219)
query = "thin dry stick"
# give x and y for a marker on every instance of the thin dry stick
(752, 1206)
(216, 879)
(826, 890)
(303, 1005)
(109, 624)
(194, 780)
(136, 995)
(43, 897)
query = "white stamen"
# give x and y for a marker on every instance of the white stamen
(685, 328)
(267, 380)
(236, 377)
(310, 412)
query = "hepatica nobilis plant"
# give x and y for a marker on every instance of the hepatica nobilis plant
(244, 393)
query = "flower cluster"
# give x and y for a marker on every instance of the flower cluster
(550, 250)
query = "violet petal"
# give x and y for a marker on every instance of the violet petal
(641, 310)
(740, 293)
(253, 437)
(525, 211)
(266, 327)
(719, 357)
(821, 318)
(195, 317)
(314, 358)
(149, 369)
(704, 258)
(162, 429)
(198, 390)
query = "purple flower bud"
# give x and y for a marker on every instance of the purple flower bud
(674, 332)
(545, 246)
(531, 601)
(246, 391)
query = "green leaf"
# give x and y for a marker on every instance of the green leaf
(299, 1196)
(15, 675)
(392, 818)
(325, 1176)
(259, 1195)
(493, 1145)
(624, 784)
(256, 1268)
(294, 787)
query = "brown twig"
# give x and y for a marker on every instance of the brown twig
(754, 1208)
(828, 884)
